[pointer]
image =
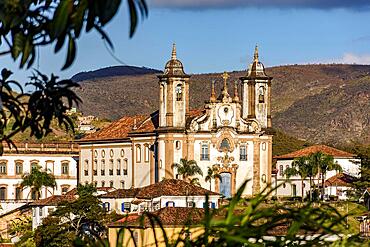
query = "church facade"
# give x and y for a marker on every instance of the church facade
(230, 134)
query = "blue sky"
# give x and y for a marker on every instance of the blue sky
(220, 35)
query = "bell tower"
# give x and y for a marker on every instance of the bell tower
(173, 94)
(256, 93)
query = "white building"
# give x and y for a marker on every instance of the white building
(60, 159)
(230, 133)
(167, 193)
(293, 186)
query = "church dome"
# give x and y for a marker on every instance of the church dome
(174, 66)
(256, 69)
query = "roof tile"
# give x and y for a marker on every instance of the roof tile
(314, 149)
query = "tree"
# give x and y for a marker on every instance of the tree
(72, 222)
(324, 163)
(212, 174)
(27, 25)
(301, 167)
(187, 169)
(36, 180)
(363, 153)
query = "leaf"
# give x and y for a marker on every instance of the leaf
(133, 16)
(71, 53)
(18, 43)
(27, 49)
(60, 18)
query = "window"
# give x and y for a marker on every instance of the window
(64, 189)
(111, 184)
(138, 153)
(106, 206)
(146, 153)
(170, 204)
(18, 193)
(86, 168)
(111, 153)
(111, 167)
(118, 166)
(210, 205)
(178, 145)
(122, 184)
(95, 183)
(178, 91)
(102, 183)
(3, 193)
(225, 145)
(102, 168)
(34, 165)
(281, 170)
(122, 153)
(65, 168)
(95, 168)
(125, 163)
(286, 167)
(190, 204)
(103, 154)
(40, 211)
(243, 152)
(3, 168)
(33, 194)
(205, 152)
(261, 94)
(18, 167)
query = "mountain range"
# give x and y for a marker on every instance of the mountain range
(317, 103)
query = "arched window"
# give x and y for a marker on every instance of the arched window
(111, 167)
(102, 183)
(2, 193)
(3, 168)
(178, 91)
(95, 167)
(125, 166)
(261, 94)
(146, 153)
(138, 153)
(111, 184)
(118, 168)
(18, 168)
(178, 145)
(102, 168)
(225, 145)
(65, 168)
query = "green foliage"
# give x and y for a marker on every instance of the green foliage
(187, 169)
(26, 25)
(258, 225)
(363, 153)
(212, 174)
(38, 179)
(22, 228)
(74, 222)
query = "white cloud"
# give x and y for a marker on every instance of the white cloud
(351, 58)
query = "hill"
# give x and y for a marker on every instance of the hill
(316, 103)
(113, 71)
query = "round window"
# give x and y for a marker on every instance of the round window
(122, 152)
(111, 153)
(103, 153)
(96, 154)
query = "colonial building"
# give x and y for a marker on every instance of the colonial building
(293, 186)
(230, 133)
(59, 159)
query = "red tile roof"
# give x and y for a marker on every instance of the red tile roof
(54, 200)
(172, 187)
(314, 149)
(167, 187)
(120, 128)
(122, 193)
(341, 179)
(169, 216)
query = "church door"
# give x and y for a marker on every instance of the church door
(225, 184)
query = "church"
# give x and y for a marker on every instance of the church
(230, 134)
